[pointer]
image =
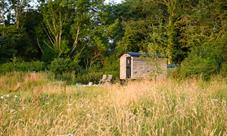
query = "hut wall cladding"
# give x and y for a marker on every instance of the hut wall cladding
(123, 66)
(140, 68)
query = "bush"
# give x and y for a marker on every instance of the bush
(70, 71)
(198, 67)
(207, 59)
(94, 76)
(22, 66)
(111, 66)
(63, 65)
(224, 69)
(203, 61)
(89, 76)
(68, 77)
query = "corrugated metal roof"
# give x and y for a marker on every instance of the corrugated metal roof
(138, 54)
(135, 54)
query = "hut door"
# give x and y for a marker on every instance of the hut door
(128, 67)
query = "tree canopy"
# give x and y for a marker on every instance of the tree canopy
(92, 33)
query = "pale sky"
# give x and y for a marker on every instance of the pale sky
(115, 1)
(34, 3)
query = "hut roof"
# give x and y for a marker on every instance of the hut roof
(135, 54)
(138, 54)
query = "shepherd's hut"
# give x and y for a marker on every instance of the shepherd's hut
(134, 65)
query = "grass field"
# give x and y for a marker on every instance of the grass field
(33, 104)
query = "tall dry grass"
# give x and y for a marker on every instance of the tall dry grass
(140, 108)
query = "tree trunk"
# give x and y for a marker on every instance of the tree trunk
(17, 10)
(170, 44)
(76, 40)
(171, 5)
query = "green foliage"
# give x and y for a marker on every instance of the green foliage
(224, 69)
(92, 31)
(17, 43)
(55, 19)
(201, 61)
(22, 66)
(89, 76)
(95, 73)
(68, 77)
(111, 66)
(135, 36)
(63, 65)
(206, 60)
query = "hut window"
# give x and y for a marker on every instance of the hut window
(128, 61)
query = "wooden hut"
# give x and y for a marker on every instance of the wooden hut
(135, 65)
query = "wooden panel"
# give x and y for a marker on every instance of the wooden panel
(142, 68)
(123, 66)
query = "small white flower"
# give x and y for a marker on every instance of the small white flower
(15, 96)
(7, 95)
(70, 134)
(2, 97)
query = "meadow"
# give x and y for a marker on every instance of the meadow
(35, 104)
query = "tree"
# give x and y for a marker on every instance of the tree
(18, 6)
(2, 12)
(55, 16)
(171, 7)
(82, 22)
(90, 33)
(136, 25)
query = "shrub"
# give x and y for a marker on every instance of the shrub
(224, 69)
(207, 59)
(63, 65)
(22, 66)
(90, 76)
(69, 77)
(111, 66)
(203, 61)
(70, 71)
(198, 67)
(94, 76)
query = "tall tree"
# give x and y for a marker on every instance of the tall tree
(2, 7)
(88, 32)
(171, 7)
(18, 7)
(55, 16)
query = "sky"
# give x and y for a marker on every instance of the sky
(34, 3)
(115, 1)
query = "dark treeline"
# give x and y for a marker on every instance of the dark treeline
(88, 36)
